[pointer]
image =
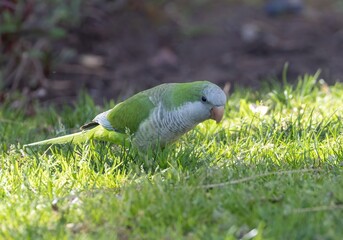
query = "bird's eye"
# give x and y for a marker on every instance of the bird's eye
(204, 99)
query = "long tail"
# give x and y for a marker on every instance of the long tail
(98, 133)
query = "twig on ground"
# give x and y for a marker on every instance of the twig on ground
(246, 179)
(318, 209)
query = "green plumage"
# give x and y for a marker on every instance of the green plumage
(127, 115)
(179, 93)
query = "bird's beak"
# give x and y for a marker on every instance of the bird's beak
(217, 113)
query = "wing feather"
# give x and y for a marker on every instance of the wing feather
(130, 113)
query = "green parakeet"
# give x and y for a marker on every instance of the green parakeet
(154, 117)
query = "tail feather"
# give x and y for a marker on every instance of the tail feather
(97, 133)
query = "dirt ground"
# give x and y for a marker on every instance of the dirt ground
(121, 52)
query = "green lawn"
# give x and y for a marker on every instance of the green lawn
(271, 170)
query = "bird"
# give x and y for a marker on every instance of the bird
(154, 117)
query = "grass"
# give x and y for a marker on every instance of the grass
(271, 170)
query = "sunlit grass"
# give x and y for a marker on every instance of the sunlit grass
(271, 170)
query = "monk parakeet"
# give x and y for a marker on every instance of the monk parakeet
(154, 117)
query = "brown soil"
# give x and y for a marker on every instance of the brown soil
(122, 52)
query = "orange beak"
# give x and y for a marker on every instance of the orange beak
(217, 113)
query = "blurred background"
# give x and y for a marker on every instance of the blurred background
(50, 50)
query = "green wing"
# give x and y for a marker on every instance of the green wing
(130, 113)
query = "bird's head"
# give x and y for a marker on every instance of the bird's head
(201, 100)
(213, 98)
